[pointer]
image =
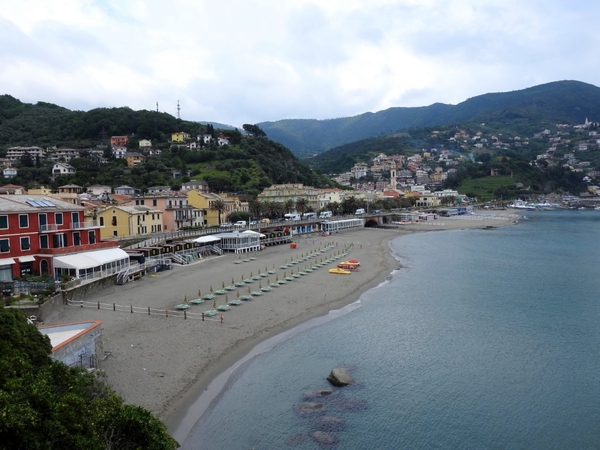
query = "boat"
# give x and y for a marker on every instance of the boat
(348, 265)
(354, 261)
(340, 271)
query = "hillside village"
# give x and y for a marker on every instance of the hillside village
(573, 148)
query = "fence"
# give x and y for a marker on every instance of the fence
(142, 310)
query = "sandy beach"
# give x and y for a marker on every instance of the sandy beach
(161, 363)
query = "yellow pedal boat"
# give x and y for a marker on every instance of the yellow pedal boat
(340, 271)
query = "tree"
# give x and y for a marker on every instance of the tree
(301, 205)
(219, 206)
(46, 405)
(253, 130)
(289, 205)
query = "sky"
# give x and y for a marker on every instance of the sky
(241, 61)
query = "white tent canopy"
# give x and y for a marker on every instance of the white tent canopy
(91, 264)
(206, 239)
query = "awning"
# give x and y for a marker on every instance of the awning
(253, 233)
(87, 260)
(108, 255)
(28, 258)
(6, 261)
(205, 239)
(79, 261)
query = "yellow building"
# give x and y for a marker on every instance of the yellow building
(120, 221)
(133, 159)
(281, 193)
(180, 137)
(205, 201)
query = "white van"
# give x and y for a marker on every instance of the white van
(325, 214)
(291, 216)
(240, 224)
(360, 211)
(309, 215)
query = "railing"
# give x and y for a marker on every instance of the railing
(84, 225)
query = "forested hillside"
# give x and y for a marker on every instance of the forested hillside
(558, 102)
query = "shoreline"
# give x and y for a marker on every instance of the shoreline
(165, 364)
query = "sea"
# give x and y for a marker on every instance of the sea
(482, 339)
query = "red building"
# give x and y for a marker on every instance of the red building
(40, 235)
(119, 141)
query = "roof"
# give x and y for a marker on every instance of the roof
(35, 203)
(87, 260)
(61, 335)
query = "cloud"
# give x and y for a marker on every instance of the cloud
(245, 62)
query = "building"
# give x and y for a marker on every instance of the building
(144, 144)
(201, 186)
(59, 169)
(119, 141)
(180, 137)
(123, 221)
(76, 344)
(177, 213)
(9, 172)
(16, 153)
(98, 189)
(283, 193)
(38, 236)
(205, 201)
(134, 159)
(125, 190)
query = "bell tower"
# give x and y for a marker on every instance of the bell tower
(393, 175)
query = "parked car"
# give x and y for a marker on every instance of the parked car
(226, 225)
(360, 211)
(240, 224)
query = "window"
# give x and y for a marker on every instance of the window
(44, 241)
(4, 222)
(25, 244)
(60, 240)
(114, 221)
(154, 202)
(76, 239)
(91, 237)
(4, 245)
(101, 221)
(43, 219)
(58, 218)
(75, 217)
(23, 221)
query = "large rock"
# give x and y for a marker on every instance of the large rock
(340, 377)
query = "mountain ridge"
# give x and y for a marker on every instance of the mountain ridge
(568, 101)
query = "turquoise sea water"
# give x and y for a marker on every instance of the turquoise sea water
(486, 339)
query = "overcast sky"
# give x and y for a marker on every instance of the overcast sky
(243, 61)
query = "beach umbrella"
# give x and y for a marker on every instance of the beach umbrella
(199, 293)
(185, 300)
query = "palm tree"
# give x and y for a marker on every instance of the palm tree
(301, 205)
(289, 205)
(219, 206)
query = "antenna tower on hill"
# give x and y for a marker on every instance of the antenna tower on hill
(178, 110)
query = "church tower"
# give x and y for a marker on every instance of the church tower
(393, 175)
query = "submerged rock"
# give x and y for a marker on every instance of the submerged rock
(350, 404)
(308, 408)
(329, 423)
(319, 394)
(324, 438)
(340, 377)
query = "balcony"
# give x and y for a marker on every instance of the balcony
(74, 226)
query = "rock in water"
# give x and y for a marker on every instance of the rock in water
(340, 377)
(309, 408)
(319, 394)
(329, 423)
(324, 438)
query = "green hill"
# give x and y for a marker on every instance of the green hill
(557, 102)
